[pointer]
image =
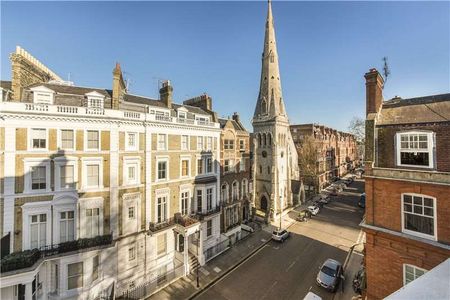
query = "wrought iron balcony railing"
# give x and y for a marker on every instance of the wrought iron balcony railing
(200, 215)
(27, 258)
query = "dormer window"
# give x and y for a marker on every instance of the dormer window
(95, 100)
(415, 149)
(42, 95)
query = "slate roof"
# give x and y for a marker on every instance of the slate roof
(73, 90)
(142, 100)
(429, 109)
(5, 84)
(236, 125)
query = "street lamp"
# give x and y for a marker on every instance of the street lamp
(280, 212)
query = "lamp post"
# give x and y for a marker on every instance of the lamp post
(280, 212)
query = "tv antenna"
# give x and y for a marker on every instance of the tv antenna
(127, 79)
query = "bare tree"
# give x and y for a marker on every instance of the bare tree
(357, 128)
(308, 160)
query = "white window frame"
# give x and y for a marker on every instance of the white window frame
(162, 193)
(188, 207)
(95, 96)
(62, 203)
(183, 158)
(86, 140)
(65, 161)
(414, 268)
(242, 164)
(30, 139)
(82, 276)
(128, 201)
(202, 162)
(136, 141)
(35, 208)
(90, 203)
(42, 91)
(186, 147)
(430, 148)
(209, 143)
(200, 143)
(59, 140)
(415, 233)
(241, 144)
(92, 161)
(158, 144)
(36, 162)
(167, 161)
(206, 165)
(130, 162)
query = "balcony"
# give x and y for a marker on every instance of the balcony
(201, 215)
(26, 259)
(64, 110)
(184, 221)
(158, 226)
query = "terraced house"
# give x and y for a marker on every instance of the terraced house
(235, 176)
(102, 190)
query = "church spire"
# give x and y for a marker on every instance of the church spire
(270, 100)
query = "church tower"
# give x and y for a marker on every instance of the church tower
(275, 156)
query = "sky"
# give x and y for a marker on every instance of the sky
(215, 47)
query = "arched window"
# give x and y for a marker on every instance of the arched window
(268, 169)
(224, 193)
(264, 139)
(269, 136)
(260, 169)
(263, 106)
(235, 190)
(259, 140)
(244, 187)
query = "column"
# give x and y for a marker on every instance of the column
(187, 267)
(148, 176)
(114, 180)
(28, 291)
(9, 183)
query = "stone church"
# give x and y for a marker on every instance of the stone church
(275, 164)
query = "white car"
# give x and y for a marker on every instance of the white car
(280, 235)
(314, 209)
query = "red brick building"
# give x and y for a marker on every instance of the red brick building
(407, 162)
(336, 152)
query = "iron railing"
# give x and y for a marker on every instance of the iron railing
(216, 249)
(148, 288)
(157, 226)
(27, 258)
(200, 215)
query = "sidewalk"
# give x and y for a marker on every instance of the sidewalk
(186, 287)
(350, 269)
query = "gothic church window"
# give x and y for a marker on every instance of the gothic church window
(263, 106)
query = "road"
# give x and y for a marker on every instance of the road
(288, 270)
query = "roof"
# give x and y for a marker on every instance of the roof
(5, 84)
(191, 109)
(73, 90)
(431, 285)
(142, 100)
(236, 125)
(429, 109)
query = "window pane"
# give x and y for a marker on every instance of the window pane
(428, 211)
(418, 209)
(419, 224)
(418, 200)
(414, 158)
(407, 207)
(428, 202)
(407, 199)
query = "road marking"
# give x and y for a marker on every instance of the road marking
(271, 287)
(205, 272)
(217, 270)
(290, 266)
(263, 240)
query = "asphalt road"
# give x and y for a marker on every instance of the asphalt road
(288, 270)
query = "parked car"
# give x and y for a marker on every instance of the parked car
(324, 200)
(303, 215)
(314, 209)
(312, 296)
(280, 235)
(329, 275)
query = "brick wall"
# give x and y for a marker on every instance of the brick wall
(383, 204)
(385, 256)
(386, 144)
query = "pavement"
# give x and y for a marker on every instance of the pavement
(258, 268)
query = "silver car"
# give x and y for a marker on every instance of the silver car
(280, 235)
(330, 275)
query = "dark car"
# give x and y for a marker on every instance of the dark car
(362, 200)
(329, 275)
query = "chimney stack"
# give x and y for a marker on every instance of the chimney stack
(203, 101)
(374, 91)
(165, 93)
(236, 117)
(119, 87)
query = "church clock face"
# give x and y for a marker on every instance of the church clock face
(264, 154)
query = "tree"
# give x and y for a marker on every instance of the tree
(357, 128)
(308, 160)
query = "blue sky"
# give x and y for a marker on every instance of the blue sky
(215, 47)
